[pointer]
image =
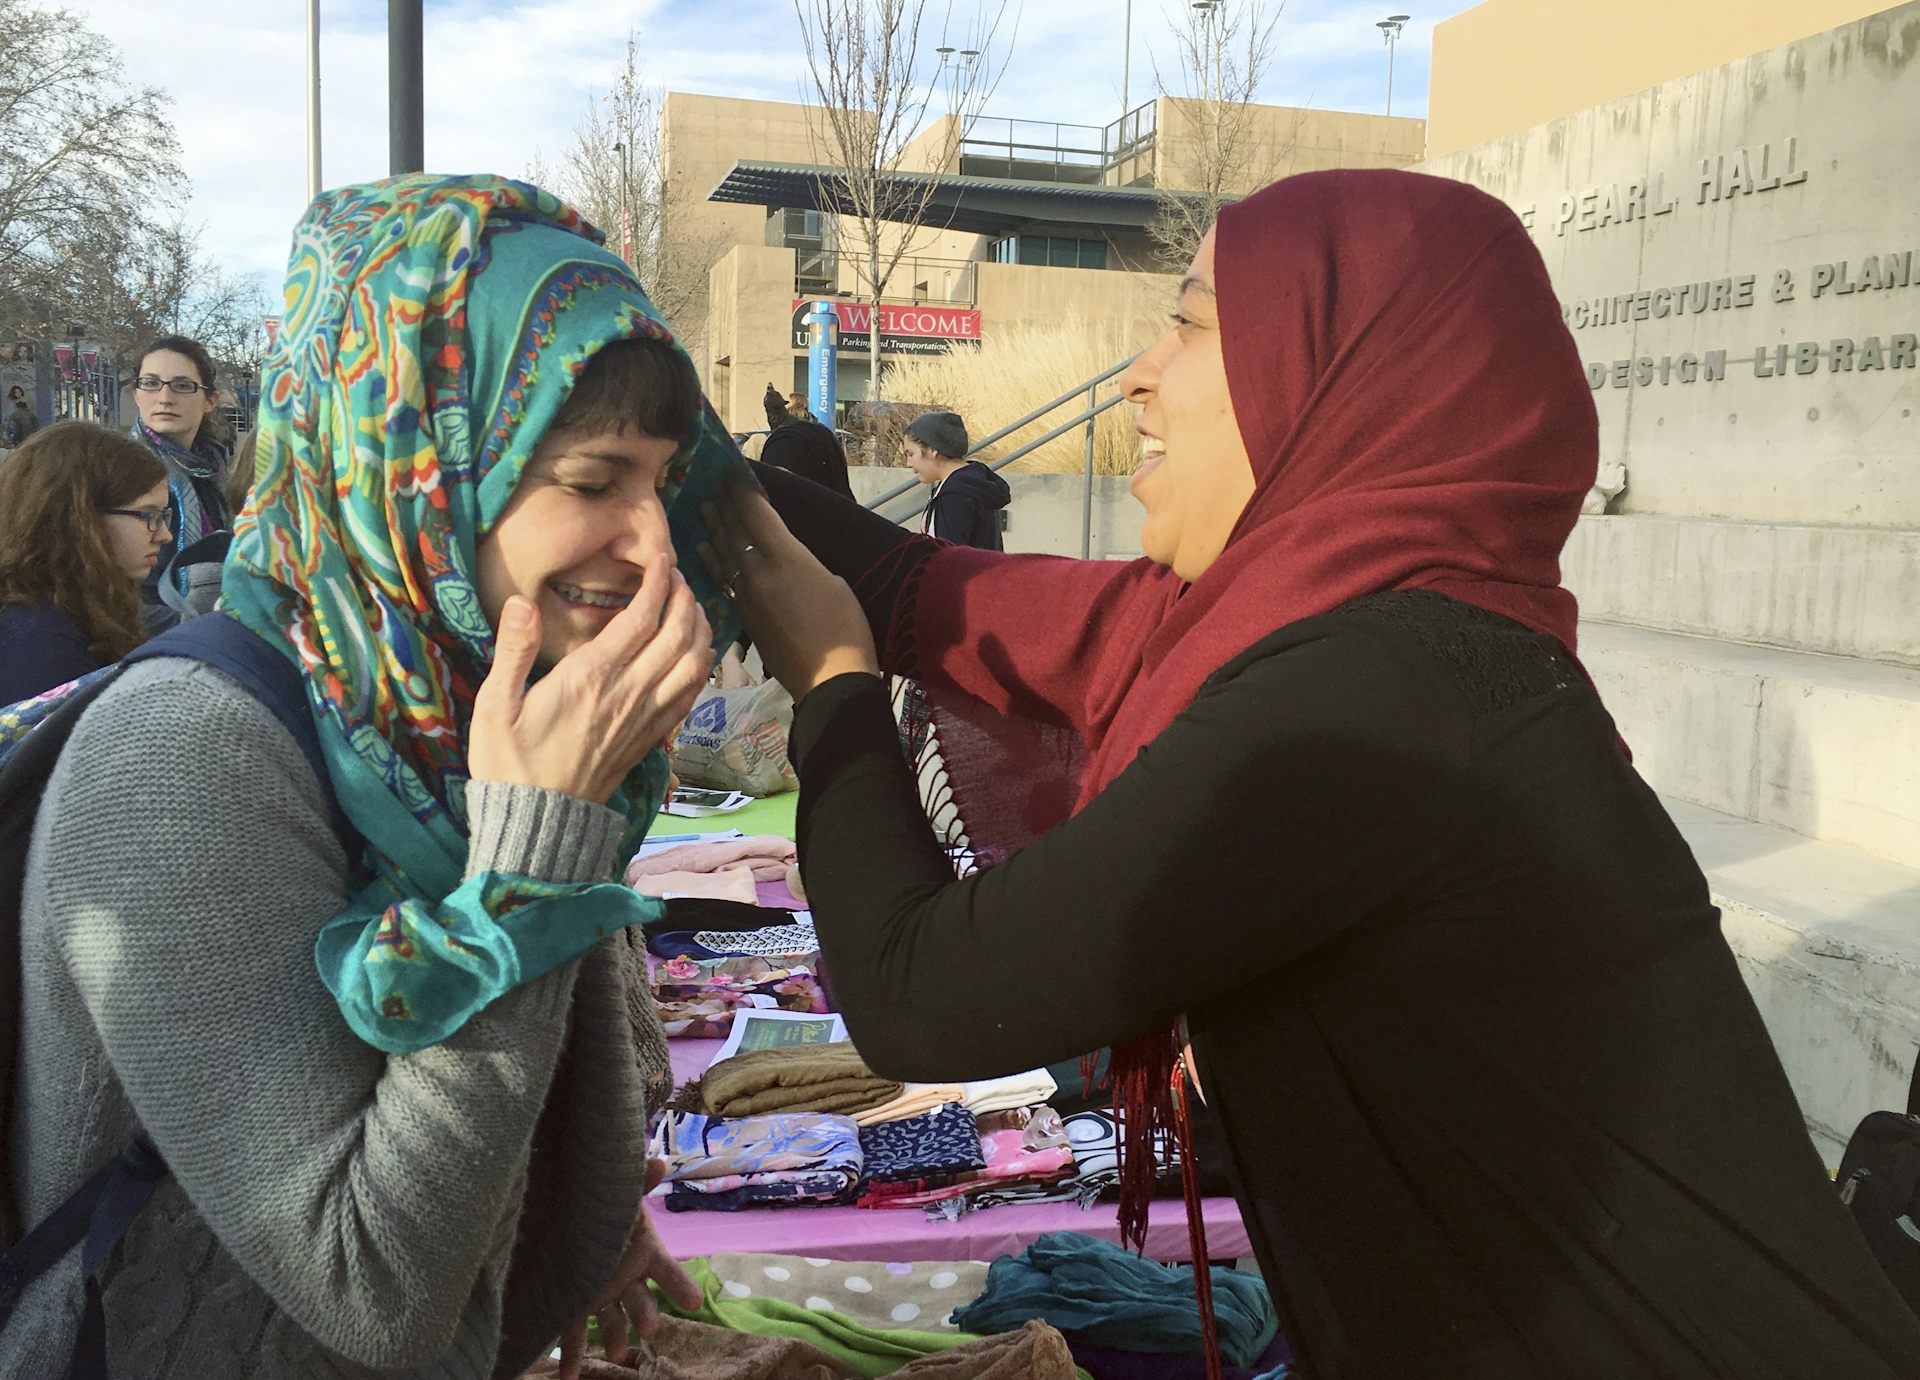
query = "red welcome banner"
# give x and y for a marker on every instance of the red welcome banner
(927, 321)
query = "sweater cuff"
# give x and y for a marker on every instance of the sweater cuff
(839, 702)
(530, 832)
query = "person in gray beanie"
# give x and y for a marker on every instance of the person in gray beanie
(967, 496)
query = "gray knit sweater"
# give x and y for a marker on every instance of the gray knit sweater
(333, 1211)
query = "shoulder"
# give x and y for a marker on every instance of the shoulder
(36, 618)
(1424, 656)
(188, 726)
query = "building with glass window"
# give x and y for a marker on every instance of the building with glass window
(1025, 222)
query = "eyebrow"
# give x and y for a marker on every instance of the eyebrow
(1192, 284)
(605, 457)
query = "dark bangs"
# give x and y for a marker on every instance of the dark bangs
(634, 385)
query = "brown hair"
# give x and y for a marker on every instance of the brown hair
(240, 471)
(52, 546)
(634, 385)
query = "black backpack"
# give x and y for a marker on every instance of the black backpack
(1879, 1182)
(102, 1208)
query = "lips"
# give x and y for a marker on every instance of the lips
(581, 597)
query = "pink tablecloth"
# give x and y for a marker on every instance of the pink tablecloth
(905, 1234)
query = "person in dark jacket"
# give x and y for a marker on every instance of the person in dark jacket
(800, 443)
(20, 423)
(967, 496)
(83, 515)
(1315, 809)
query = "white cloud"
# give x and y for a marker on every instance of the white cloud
(505, 80)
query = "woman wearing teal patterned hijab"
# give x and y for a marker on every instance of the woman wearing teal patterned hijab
(427, 468)
(480, 453)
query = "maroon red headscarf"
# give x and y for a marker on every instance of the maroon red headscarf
(1417, 418)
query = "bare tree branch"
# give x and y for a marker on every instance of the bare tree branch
(1221, 55)
(869, 106)
(613, 171)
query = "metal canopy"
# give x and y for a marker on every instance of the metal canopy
(972, 205)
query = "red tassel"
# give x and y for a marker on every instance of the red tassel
(1140, 1072)
(1196, 1223)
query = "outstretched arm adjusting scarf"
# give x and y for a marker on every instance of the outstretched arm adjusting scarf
(433, 329)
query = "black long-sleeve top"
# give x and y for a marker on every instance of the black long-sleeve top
(1498, 1103)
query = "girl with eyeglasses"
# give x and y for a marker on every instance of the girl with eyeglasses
(175, 393)
(83, 514)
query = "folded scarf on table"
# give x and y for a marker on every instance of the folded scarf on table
(702, 1147)
(1019, 1090)
(864, 1350)
(798, 1078)
(943, 1141)
(775, 941)
(917, 1100)
(698, 913)
(1113, 1298)
(1008, 1160)
(697, 998)
(732, 885)
(822, 1188)
(766, 856)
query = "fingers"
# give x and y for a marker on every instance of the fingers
(516, 644)
(680, 1286)
(615, 1330)
(636, 624)
(573, 1349)
(643, 1311)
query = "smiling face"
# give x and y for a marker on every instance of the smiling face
(582, 524)
(1195, 476)
(134, 548)
(176, 416)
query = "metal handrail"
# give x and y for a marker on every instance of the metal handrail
(1085, 417)
(1014, 426)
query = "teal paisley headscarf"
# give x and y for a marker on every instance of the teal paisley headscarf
(433, 328)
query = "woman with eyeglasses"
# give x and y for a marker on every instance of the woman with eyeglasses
(175, 393)
(83, 515)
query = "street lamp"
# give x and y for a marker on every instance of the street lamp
(1390, 28)
(626, 201)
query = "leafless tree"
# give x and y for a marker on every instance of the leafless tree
(864, 59)
(1222, 51)
(75, 143)
(613, 171)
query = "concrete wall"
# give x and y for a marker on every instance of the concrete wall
(1507, 65)
(1779, 188)
(1045, 514)
(1281, 140)
(749, 341)
(1838, 591)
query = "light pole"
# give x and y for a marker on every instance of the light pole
(625, 152)
(1210, 12)
(313, 99)
(1390, 28)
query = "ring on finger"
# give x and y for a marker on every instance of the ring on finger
(746, 549)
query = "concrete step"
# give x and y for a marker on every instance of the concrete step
(1824, 746)
(1828, 938)
(1844, 591)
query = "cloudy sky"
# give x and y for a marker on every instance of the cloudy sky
(505, 80)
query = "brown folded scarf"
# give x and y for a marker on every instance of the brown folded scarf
(800, 1078)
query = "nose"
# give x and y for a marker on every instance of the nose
(1141, 379)
(643, 531)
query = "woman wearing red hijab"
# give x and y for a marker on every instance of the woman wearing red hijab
(1322, 775)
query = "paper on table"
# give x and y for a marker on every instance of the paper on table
(694, 802)
(755, 1029)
